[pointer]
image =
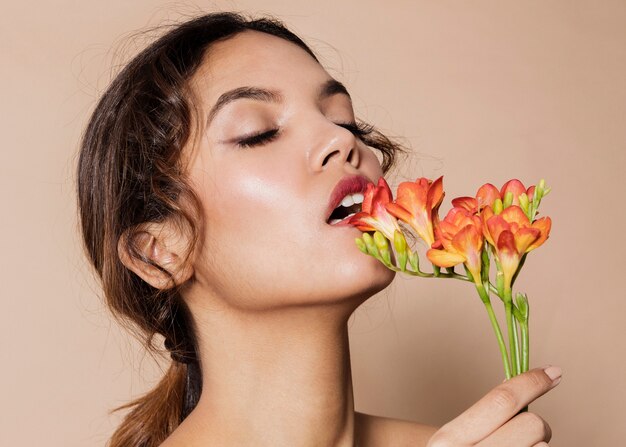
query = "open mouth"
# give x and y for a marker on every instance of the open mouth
(349, 206)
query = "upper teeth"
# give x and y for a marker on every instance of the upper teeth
(351, 199)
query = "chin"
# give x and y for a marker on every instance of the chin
(367, 279)
(382, 278)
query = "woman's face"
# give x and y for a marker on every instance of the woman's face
(271, 148)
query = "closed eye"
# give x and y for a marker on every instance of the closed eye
(258, 139)
(358, 129)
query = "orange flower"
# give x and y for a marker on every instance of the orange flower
(417, 204)
(512, 235)
(374, 215)
(460, 235)
(486, 195)
(516, 188)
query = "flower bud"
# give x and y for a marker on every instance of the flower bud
(380, 240)
(414, 261)
(361, 245)
(522, 304)
(383, 246)
(542, 186)
(497, 206)
(524, 202)
(508, 200)
(399, 242)
(371, 246)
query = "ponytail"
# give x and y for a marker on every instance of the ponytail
(155, 415)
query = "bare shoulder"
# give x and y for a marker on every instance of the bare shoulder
(378, 431)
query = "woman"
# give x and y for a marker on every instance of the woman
(210, 180)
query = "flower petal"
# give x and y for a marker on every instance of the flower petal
(508, 255)
(469, 242)
(435, 194)
(486, 195)
(412, 196)
(468, 203)
(382, 194)
(386, 223)
(514, 186)
(362, 221)
(496, 225)
(543, 225)
(398, 211)
(444, 258)
(515, 215)
(368, 196)
(486, 214)
(524, 238)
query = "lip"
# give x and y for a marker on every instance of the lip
(347, 185)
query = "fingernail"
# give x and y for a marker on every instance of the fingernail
(554, 372)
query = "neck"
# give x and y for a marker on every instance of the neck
(279, 378)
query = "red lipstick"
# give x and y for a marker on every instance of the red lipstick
(347, 185)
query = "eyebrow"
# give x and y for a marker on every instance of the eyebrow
(333, 87)
(327, 89)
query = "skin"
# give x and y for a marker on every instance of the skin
(271, 285)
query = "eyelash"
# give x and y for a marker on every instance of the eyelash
(258, 139)
(358, 129)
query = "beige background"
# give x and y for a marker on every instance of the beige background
(483, 91)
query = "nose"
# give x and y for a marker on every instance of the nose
(335, 145)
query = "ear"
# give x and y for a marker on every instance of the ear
(159, 253)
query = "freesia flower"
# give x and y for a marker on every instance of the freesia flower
(417, 204)
(460, 235)
(512, 235)
(500, 219)
(516, 188)
(374, 215)
(486, 195)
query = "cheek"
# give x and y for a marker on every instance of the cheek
(252, 229)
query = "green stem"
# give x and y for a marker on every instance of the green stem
(484, 296)
(508, 303)
(518, 359)
(525, 346)
(516, 311)
(432, 275)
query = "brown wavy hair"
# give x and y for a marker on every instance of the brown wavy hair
(129, 173)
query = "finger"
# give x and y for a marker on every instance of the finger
(501, 404)
(541, 444)
(524, 430)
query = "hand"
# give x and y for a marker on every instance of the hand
(494, 421)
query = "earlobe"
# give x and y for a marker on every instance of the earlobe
(157, 253)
